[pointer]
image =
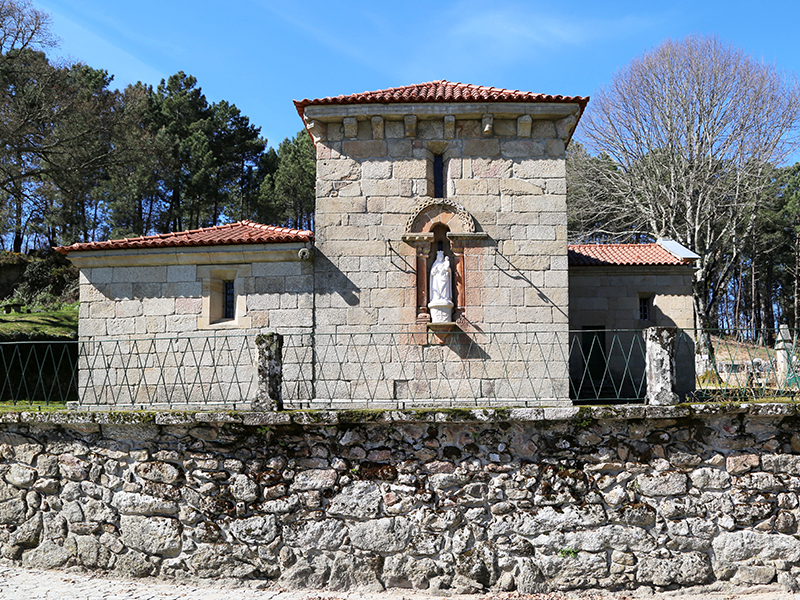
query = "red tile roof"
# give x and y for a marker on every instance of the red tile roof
(243, 232)
(589, 255)
(440, 91)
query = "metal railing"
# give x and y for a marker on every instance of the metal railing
(36, 374)
(400, 369)
(394, 369)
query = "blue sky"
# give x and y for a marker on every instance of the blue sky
(262, 54)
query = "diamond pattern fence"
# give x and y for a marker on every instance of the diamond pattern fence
(390, 369)
(38, 374)
(396, 370)
(170, 372)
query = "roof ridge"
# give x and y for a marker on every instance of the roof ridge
(439, 90)
(627, 244)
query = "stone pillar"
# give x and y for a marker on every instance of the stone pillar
(660, 365)
(423, 250)
(783, 355)
(459, 286)
(270, 372)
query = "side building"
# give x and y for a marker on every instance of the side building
(171, 320)
(617, 291)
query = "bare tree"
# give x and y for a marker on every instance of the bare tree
(22, 27)
(684, 138)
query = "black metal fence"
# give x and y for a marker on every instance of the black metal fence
(391, 369)
(39, 373)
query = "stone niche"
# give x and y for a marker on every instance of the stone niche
(435, 222)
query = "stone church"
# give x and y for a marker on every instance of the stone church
(472, 175)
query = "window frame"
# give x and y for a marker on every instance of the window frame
(646, 308)
(214, 279)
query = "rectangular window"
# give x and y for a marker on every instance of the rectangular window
(229, 297)
(644, 308)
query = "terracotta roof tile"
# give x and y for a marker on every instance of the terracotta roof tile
(584, 255)
(439, 91)
(243, 232)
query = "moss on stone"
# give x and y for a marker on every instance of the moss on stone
(584, 418)
(132, 417)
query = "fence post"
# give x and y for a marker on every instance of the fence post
(783, 350)
(270, 372)
(660, 365)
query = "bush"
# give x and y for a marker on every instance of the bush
(13, 258)
(48, 283)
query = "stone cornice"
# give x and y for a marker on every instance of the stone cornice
(195, 255)
(466, 110)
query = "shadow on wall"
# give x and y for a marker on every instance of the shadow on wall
(330, 279)
(509, 269)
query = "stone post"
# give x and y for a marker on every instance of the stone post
(660, 365)
(459, 288)
(270, 372)
(783, 355)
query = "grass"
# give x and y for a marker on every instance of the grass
(729, 349)
(35, 406)
(56, 323)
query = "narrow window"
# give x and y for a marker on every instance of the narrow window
(644, 308)
(438, 176)
(229, 298)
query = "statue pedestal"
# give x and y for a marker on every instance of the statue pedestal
(441, 327)
(441, 311)
(438, 333)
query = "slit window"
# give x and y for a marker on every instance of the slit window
(229, 298)
(644, 308)
(438, 176)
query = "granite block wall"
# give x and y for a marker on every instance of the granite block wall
(504, 166)
(151, 328)
(512, 184)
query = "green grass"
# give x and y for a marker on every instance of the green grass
(36, 406)
(57, 323)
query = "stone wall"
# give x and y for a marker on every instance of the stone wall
(526, 499)
(510, 178)
(609, 296)
(151, 328)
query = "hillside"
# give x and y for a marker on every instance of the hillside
(37, 325)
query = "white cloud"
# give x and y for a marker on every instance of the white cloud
(480, 41)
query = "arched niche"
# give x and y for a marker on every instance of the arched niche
(430, 212)
(440, 214)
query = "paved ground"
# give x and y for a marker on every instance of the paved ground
(26, 584)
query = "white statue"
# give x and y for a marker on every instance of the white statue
(441, 289)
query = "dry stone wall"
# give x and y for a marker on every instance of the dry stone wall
(525, 499)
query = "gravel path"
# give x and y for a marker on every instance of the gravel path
(28, 584)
